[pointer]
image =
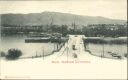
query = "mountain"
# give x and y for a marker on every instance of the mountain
(45, 18)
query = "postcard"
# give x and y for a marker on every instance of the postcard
(63, 39)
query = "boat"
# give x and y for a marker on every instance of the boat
(37, 40)
(39, 35)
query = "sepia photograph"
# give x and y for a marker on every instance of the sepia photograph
(63, 39)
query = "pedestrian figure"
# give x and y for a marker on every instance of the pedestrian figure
(75, 55)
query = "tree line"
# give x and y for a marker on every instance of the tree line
(105, 30)
(97, 30)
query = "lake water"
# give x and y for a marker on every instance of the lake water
(98, 49)
(31, 49)
(28, 49)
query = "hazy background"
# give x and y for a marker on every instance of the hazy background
(115, 9)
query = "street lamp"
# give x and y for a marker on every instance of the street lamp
(103, 46)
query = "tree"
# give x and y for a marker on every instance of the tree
(13, 54)
(64, 30)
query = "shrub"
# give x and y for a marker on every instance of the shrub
(13, 54)
(2, 54)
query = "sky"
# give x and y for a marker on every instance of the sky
(115, 9)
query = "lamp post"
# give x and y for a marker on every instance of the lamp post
(67, 52)
(103, 47)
